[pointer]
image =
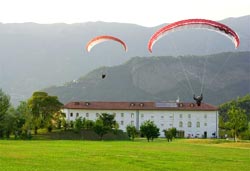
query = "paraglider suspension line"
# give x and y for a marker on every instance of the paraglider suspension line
(185, 73)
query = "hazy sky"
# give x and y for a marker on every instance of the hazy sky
(142, 12)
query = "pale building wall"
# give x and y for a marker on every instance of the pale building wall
(201, 121)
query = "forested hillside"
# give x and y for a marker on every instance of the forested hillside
(220, 77)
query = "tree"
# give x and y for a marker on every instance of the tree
(4, 106)
(237, 120)
(170, 133)
(131, 131)
(104, 124)
(150, 130)
(43, 107)
(241, 102)
(78, 124)
(108, 120)
(24, 121)
(100, 129)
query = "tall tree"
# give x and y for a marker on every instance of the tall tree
(237, 120)
(25, 120)
(43, 107)
(4, 106)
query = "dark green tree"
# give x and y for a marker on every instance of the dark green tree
(104, 124)
(4, 106)
(150, 130)
(108, 120)
(131, 131)
(100, 128)
(24, 122)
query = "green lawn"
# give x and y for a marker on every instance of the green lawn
(181, 155)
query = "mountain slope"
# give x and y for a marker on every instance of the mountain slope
(220, 77)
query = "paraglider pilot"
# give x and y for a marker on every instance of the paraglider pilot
(103, 76)
(198, 99)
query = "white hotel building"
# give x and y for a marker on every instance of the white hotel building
(195, 121)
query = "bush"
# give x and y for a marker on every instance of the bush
(131, 131)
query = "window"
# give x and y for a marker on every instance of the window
(122, 114)
(152, 117)
(189, 124)
(180, 115)
(205, 124)
(180, 124)
(205, 116)
(77, 114)
(198, 124)
(132, 123)
(162, 125)
(132, 115)
(97, 115)
(189, 115)
(142, 115)
(162, 117)
(171, 116)
(141, 104)
(122, 122)
(87, 114)
(71, 114)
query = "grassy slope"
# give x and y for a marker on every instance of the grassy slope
(124, 155)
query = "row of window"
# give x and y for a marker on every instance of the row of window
(189, 124)
(132, 115)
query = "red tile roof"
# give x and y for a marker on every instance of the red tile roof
(139, 106)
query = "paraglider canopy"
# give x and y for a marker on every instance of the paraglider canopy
(194, 23)
(103, 38)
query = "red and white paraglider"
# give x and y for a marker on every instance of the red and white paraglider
(100, 39)
(194, 23)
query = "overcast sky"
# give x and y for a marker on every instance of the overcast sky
(141, 12)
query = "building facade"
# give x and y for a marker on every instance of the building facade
(194, 121)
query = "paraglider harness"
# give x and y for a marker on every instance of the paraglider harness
(198, 99)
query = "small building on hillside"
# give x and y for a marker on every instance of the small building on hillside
(194, 121)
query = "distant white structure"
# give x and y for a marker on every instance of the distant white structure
(195, 121)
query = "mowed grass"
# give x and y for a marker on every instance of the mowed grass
(180, 155)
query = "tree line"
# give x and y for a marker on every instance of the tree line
(44, 111)
(39, 111)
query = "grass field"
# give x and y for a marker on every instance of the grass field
(180, 155)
